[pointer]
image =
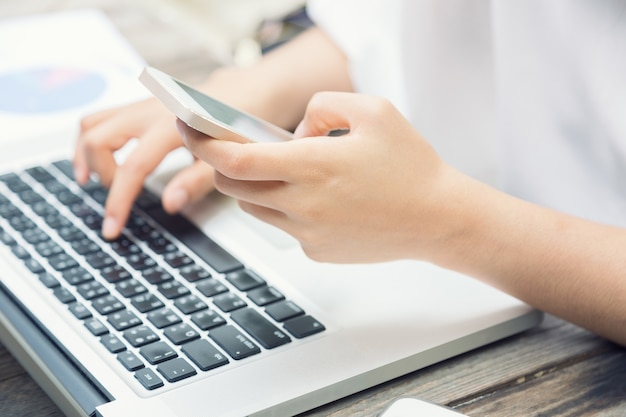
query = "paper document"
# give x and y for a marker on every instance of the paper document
(56, 67)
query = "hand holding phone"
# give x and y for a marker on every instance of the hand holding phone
(207, 114)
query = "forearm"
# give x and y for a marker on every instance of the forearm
(279, 86)
(572, 268)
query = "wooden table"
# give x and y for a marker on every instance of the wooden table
(556, 369)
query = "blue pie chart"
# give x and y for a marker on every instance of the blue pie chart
(45, 90)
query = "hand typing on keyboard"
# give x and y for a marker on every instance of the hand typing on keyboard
(104, 133)
(164, 298)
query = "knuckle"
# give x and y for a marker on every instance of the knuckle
(235, 164)
(380, 105)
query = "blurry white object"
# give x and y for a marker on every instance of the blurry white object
(412, 407)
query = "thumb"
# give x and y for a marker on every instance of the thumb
(327, 114)
(188, 186)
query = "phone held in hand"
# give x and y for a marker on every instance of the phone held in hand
(207, 114)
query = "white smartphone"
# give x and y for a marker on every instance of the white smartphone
(208, 115)
(413, 407)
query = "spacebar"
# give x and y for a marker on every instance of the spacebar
(198, 242)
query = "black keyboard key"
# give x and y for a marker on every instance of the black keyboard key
(176, 369)
(157, 352)
(265, 295)
(211, 287)
(260, 328)
(160, 244)
(245, 280)
(194, 272)
(198, 242)
(303, 326)
(99, 194)
(177, 259)
(79, 311)
(115, 273)
(30, 197)
(148, 379)
(123, 320)
(40, 174)
(140, 336)
(181, 333)
(156, 275)
(204, 354)
(207, 319)
(130, 288)
(34, 266)
(96, 327)
(235, 343)
(123, 246)
(63, 295)
(54, 187)
(71, 233)
(113, 343)
(107, 305)
(140, 261)
(82, 209)
(92, 289)
(190, 304)
(43, 208)
(6, 238)
(68, 198)
(48, 280)
(48, 248)
(228, 302)
(21, 223)
(35, 236)
(140, 228)
(62, 262)
(147, 200)
(283, 310)
(76, 276)
(85, 246)
(130, 361)
(173, 289)
(14, 182)
(163, 318)
(93, 221)
(100, 260)
(146, 302)
(20, 252)
(8, 211)
(65, 166)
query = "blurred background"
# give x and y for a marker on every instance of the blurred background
(201, 34)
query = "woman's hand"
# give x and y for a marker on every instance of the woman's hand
(376, 193)
(104, 133)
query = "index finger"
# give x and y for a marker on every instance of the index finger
(277, 161)
(130, 176)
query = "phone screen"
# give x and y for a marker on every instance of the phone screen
(241, 123)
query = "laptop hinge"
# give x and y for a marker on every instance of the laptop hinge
(39, 353)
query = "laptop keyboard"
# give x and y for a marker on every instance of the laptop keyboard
(164, 298)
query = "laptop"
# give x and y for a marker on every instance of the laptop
(208, 313)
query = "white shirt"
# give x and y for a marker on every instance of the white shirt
(526, 94)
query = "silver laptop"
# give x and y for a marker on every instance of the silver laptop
(210, 313)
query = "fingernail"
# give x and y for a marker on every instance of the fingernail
(110, 228)
(179, 198)
(80, 175)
